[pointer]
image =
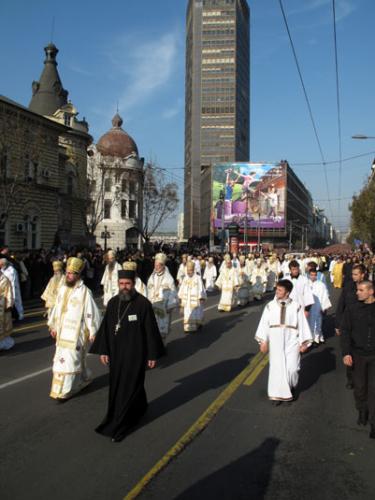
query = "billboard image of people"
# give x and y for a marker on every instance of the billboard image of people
(251, 192)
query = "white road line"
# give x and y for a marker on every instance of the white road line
(40, 372)
(26, 377)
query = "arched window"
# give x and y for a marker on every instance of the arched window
(32, 231)
(107, 185)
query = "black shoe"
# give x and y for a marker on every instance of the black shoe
(362, 417)
(349, 385)
(372, 432)
(276, 403)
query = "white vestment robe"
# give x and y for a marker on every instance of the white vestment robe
(181, 273)
(76, 319)
(227, 282)
(191, 293)
(140, 287)
(273, 271)
(210, 275)
(110, 282)
(284, 335)
(258, 281)
(12, 276)
(50, 293)
(161, 292)
(321, 303)
(301, 292)
(6, 303)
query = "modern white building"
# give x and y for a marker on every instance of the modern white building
(115, 180)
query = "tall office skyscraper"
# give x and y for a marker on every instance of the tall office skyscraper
(217, 99)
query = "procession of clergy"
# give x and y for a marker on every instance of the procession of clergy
(289, 325)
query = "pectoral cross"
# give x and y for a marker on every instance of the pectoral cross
(117, 328)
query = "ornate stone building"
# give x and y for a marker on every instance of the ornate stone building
(115, 173)
(43, 160)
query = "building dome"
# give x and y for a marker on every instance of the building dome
(116, 142)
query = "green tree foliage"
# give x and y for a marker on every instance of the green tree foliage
(363, 214)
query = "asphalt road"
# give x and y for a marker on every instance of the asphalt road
(311, 449)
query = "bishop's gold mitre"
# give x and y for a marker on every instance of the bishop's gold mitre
(75, 265)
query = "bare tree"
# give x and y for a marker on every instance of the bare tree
(160, 199)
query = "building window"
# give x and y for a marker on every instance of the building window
(107, 185)
(67, 119)
(3, 220)
(4, 165)
(70, 184)
(30, 169)
(132, 187)
(32, 230)
(132, 209)
(123, 209)
(107, 209)
(124, 185)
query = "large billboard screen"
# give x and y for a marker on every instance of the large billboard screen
(250, 195)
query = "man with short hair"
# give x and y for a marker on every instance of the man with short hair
(358, 350)
(284, 332)
(349, 296)
(73, 322)
(301, 292)
(128, 341)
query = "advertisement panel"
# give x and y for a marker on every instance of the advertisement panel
(249, 195)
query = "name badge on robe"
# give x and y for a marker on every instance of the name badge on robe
(132, 317)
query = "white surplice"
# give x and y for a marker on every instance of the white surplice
(210, 275)
(76, 319)
(110, 282)
(301, 292)
(285, 336)
(181, 273)
(321, 303)
(12, 275)
(161, 292)
(191, 293)
(227, 282)
(273, 271)
(6, 303)
(258, 281)
(244, 286)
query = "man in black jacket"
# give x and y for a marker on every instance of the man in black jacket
(349, 296)
(358, 350)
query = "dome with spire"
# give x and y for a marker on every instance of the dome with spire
(116, 142)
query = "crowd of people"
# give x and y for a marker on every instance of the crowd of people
(140, 292)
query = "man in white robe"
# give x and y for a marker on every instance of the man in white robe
(273, 271)
(181, 273)
(50, 293)
(6, 304)
(320, 306)
(161, 292)
(258, 280)
(228, 283)
(73, 322)
(192, 296)
(284, 333)
(138, 284)
(301, 292)
(210, 275)
(12, 275)
(110, 277)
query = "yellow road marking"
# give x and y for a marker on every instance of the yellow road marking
(257, 370)
(198, 426)
(38, 312)
(29, 327)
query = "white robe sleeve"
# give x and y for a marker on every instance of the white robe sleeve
(91, 315)
(263, 331)
(304, 332)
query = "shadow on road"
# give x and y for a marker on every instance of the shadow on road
(29, 346)
(246, 478)
(314, 365)
(328, 326)
(194, 385)
(184, 347)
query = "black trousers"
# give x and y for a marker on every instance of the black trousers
(364, 384)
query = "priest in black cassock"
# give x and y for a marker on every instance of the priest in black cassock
(128, 341)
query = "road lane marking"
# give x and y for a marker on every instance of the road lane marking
(26, 377)
(38, 312)
(257, 370)
(198, 426)
(29, 327)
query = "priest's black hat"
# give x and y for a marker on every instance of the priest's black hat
(126, 275)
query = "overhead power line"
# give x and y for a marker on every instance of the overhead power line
(307, 101)
(337, 101)
(318, 163)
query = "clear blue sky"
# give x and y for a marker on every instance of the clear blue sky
(133, 52)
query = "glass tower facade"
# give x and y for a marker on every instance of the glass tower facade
(217, 99)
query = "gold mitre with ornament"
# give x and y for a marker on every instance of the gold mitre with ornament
(57, 265)
(161, 257)
(75, 265)
(129, 266)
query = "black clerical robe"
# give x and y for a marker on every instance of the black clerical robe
(136, 341)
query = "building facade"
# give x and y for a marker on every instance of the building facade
(43, 166)
(217, 97)
(115, 178)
